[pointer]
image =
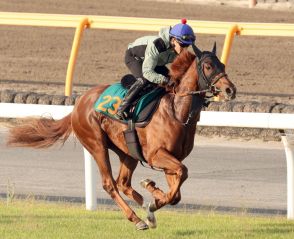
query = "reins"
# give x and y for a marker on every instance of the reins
(206, 84)
(211, 88)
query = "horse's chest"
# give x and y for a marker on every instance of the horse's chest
(185, 150)
(183, 144)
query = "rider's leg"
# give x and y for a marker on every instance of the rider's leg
(130, 97)
(135, 66)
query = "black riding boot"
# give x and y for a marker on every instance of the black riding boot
(129, 98)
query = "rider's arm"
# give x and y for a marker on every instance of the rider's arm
(149, 64)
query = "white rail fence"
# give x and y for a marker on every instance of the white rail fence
(208, 118)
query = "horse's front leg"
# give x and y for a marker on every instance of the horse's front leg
(171, 181)
(176, 174)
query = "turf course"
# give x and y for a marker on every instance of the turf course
(37, 219)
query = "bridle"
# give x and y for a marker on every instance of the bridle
(206, 84)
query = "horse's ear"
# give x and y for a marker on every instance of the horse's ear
(214, 48)
(197, 52)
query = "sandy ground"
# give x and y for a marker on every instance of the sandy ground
(36, 58)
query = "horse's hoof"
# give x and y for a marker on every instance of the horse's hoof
(141, 226)
(144, 183)
(151, 224)
(150, 220)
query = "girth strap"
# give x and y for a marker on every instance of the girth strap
(132, 142)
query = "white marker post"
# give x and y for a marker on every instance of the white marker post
(90, 181)
(252, 3)
(288, 141)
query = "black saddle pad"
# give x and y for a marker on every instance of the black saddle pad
(146, 114)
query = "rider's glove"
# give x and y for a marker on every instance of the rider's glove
(167, 82)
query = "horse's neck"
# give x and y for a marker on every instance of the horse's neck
(182, 104)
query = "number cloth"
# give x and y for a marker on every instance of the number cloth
(111, 98)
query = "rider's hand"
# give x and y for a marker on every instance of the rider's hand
(168, 82)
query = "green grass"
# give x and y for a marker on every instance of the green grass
(36, 219)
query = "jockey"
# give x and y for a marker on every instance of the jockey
(147, 56)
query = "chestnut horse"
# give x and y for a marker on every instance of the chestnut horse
(165, 141)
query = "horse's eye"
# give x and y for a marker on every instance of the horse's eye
(208, 67)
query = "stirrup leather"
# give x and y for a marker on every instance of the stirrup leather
(121, 115)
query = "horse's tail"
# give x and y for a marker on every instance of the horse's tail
(40, 133)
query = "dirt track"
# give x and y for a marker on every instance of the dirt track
(258, 65)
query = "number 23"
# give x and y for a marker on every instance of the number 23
(107, 99)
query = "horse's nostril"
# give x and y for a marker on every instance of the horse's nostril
(229, 91)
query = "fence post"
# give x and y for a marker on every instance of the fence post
(90, 181)
(252, 3)
(288, 141)
(73, 55)
(228, 43)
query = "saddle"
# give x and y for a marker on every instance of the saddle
(140, 113)
(141, 110)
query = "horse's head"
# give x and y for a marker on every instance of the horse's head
(212, 76)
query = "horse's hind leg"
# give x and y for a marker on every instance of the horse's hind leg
(124, 179)
(109, 185)
(94, 141)
(127, 167)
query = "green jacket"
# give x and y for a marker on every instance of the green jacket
(152, 56)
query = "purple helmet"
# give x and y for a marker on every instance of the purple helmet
(183, 33)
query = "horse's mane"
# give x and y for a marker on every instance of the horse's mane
(181, 64)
